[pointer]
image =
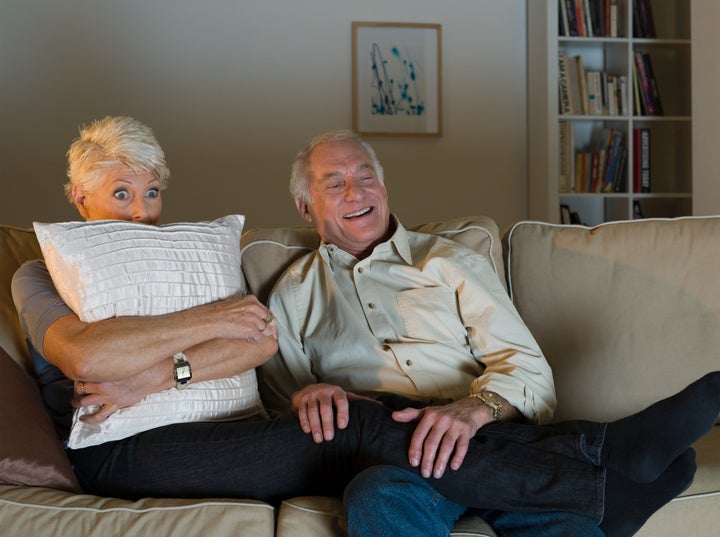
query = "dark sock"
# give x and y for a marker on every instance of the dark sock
(629, 504)
(641, 446)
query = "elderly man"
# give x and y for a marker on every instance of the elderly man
(378, 310)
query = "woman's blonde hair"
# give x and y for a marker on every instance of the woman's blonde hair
(109, 142)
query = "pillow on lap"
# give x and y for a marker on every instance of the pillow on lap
(112, 268)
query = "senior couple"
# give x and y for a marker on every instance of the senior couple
(415, 389)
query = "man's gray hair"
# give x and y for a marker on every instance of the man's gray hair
(301, 173)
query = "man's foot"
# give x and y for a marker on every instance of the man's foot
(629, 504)
(642, 446)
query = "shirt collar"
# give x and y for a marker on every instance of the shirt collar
(399, 241)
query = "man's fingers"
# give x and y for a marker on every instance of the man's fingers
(303, 419)
(312, 408)
(342, 409)
(417, 442)
(461, 448)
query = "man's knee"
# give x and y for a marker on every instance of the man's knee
(399, 496)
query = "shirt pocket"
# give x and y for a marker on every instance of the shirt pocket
(431, 314)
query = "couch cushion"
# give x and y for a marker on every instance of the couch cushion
(268, 252)
(16, 246)
(30, 451)
(51, 513)
(114, 268)
(626, 312)
(321, 516)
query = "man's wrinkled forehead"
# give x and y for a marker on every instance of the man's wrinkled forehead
(355, 171)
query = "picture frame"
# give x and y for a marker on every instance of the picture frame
(397, 79)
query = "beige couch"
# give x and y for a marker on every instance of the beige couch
(626, 312)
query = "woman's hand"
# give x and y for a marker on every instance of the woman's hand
(109, 396)
(243, 317)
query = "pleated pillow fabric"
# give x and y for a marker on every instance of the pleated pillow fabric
(112, 268)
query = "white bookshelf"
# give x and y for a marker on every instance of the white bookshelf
(671, 133)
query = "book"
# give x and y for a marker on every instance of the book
(564, 83)
(637, 210)
(580, 18)
(564, 214)
(649, 94)
(563, 23)
(654, 91)
(641, 159)
(613, 18)
(614, 153)
(582, 83)
(571, 16)
(649, 104)
(575, 95)
(567, 160)
(619, 183)
(644, 22)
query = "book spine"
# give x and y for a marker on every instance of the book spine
(641, 159)
(580, 18)
(654, 92)
(564, 84)
(644, 160)
(620, 173)
(564, 28)
(644, 84)
(582, 85)
(572, 17)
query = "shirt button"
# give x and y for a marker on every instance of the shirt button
(408, 362)
(360, 270)
(386, 347)
(371, 306)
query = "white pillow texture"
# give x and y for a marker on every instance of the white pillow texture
(110, 268)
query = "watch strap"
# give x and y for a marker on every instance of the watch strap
(492, 401)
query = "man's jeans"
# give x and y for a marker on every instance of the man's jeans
(387, 501)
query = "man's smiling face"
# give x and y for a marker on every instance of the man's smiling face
(348, 203)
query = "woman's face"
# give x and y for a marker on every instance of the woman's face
(123, 195)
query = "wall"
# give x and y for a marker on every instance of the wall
(705, 106)
(234, 88)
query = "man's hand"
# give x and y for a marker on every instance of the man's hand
(442, 432)
(317, 405)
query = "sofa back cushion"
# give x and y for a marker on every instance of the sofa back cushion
(268, 252)
(16, 246)
(626, 312)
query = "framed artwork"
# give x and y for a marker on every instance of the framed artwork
(397, 83)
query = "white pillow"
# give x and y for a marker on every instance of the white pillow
(113, 268)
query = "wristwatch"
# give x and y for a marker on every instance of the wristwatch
(181, 370)
(491, 400)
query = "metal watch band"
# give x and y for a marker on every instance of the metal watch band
(492, 401)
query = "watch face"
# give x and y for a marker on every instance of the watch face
(183, 372)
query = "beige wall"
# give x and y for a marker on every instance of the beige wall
(234, 88)
(706, 106)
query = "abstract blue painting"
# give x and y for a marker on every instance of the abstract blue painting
(396, 78)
